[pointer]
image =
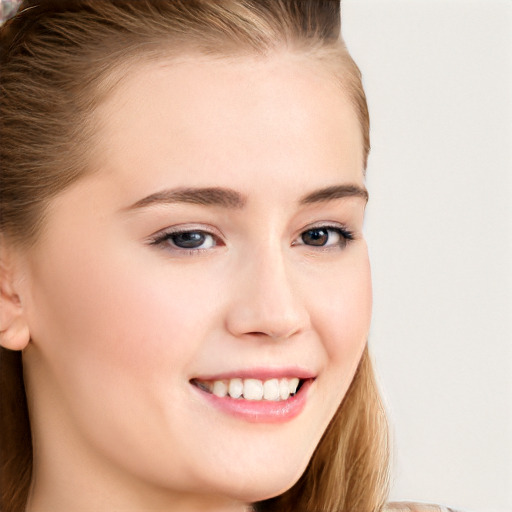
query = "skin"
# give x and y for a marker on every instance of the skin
(120, 324)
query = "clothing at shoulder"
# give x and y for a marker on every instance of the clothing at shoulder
(407, 506)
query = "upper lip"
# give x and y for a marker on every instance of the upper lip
(260, 374)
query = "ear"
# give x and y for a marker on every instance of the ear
(14, 331)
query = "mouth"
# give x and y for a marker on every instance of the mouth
(238, 388)
(258, 395)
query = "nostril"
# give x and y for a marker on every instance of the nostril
(271, 335)
(265, 317)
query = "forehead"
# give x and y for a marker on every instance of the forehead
(207, 119)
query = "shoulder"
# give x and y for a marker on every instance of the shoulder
(408, 506)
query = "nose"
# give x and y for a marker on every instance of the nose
(266, 303)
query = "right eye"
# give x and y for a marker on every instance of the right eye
(188, 240)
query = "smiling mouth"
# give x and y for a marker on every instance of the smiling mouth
(273, 390)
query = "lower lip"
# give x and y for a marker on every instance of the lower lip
(261, 411)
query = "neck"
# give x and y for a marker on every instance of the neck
(85, 499)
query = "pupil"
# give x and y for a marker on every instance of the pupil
(189, 240)
(315, 237)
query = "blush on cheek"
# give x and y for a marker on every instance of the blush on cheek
(347, 317)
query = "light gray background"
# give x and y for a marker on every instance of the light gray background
(438, 75)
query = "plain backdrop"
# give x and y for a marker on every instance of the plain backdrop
(438, 75)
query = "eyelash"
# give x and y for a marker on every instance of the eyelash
(345, 234)
(166, 237)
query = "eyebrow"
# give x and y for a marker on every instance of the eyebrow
(335, 192)
(208, 196)
(228, 198)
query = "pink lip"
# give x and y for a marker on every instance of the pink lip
(260, 411)
(262, 374)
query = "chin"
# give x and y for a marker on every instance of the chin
(254, 484)
(253, 489)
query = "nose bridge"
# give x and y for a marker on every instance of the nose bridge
(267, 301)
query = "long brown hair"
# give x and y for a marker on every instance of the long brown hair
(59, 59)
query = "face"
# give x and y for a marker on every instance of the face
(217, 249)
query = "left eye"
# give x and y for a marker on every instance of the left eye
(325, 237)
(189, 240)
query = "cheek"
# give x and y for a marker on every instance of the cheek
(113, 315)
(343, 315)
(113, 344)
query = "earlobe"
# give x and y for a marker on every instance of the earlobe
(14, 331)
(16, 335)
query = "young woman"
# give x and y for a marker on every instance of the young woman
(185, 287)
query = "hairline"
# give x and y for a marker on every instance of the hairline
(106, 84)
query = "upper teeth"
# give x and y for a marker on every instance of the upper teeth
(252, 389)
